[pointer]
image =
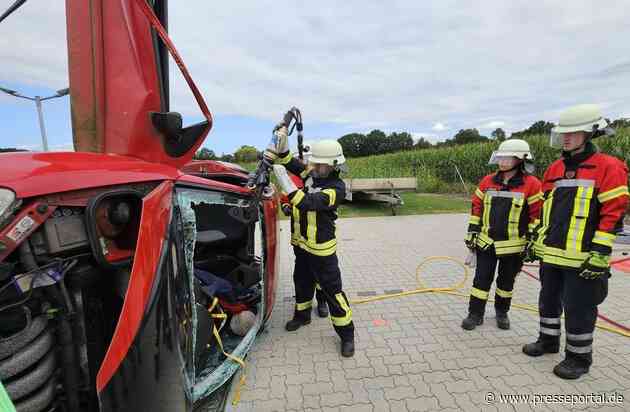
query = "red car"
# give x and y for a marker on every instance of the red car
(122, 277)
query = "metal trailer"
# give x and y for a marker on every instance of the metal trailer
(380, 190)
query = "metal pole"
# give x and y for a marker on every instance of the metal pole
(38, 103)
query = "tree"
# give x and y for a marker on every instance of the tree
(422, 143)
(375, 142)
(352, 144)
(205, 154)
(246, 154)
(465, 136)
(540, 127)
(399, 141)
(498, 134)
(227, 158)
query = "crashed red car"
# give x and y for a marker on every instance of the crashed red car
(121, 274)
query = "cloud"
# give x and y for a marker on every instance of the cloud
(439, 127)
(398, 65)
(431, 137)
(492, 124)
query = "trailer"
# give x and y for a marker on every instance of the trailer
(384, 190)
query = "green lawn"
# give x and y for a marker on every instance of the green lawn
(415, 204)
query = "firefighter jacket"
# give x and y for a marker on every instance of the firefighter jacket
(314, 209)
(504, 215)
(585, 200)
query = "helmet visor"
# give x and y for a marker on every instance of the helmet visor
(500, 157)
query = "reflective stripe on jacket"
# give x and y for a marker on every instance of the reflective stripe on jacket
(314, 210)
(504, 214)
(585, 199)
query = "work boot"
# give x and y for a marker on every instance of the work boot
(472, 321)
(347, 348)
(503, 322)
(571, 368)
(540, 347)
(322, 309)
(296, 323)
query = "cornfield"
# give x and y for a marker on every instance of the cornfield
(439, 170)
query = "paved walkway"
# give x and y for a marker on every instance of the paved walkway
(411, 353)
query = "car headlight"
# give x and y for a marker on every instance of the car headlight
(7, 204)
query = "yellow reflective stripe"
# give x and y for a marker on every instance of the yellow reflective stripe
(604, 238)
(479, 194)
(565, 258)
(284, 160)
(474, 220)
(613, 194)
(347, 318)
(487, 202)
(332, 196)
(311, 228)
(514, 218)
(478, 293)
(508, 250)
(305, 173)
(317, 286)
(546, 214)
(295, 234)
(533, 199)
(297, 198)
(483, 240)
(304, 306)
(318, 252)
(581, 206)
(504, 293)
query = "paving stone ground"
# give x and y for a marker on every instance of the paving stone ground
(411, 353)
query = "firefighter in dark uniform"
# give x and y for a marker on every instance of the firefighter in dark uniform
(505, 210)
(585, 199)
(315, 212)
(290, 211)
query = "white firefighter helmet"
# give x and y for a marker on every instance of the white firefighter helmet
(581, 118)
(511, 148)
(327, 152)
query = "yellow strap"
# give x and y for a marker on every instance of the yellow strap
(487, 203)
(297, 198)
(304, 305)
(503, 293)
(478, 293)
(332, 196)
(474, 220)
(239, 361)
(613, 194)
(514, 218)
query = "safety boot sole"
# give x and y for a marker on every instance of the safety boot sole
(294, 324)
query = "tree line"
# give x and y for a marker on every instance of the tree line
(378, 142)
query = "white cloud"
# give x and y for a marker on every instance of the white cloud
(438, 127)
(431, 137)
(398, 64)
(492, 124)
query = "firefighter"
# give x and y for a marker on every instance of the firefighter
(315, 212)
(585, 198)
(505, 209)
(290, 211)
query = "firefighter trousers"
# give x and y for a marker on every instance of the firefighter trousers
(319, 295)
(509, 267)
(323, 270)
(563, 288)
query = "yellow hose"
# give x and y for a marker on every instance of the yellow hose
(455, 290)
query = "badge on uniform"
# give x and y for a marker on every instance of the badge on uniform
(569, 174)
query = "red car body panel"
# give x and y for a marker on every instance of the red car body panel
(156, 214)
(114, 82)
(35, 174)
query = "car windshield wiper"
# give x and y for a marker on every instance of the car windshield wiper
(11, 9)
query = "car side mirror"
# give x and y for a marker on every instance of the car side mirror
(168, 123)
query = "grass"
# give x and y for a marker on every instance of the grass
(415, 204)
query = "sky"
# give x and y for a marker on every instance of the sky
(429, 68)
